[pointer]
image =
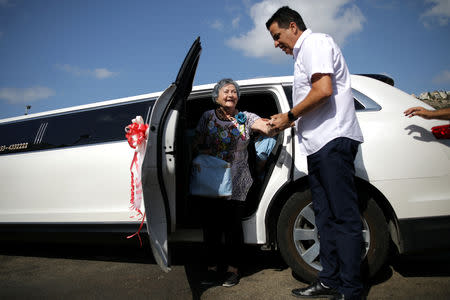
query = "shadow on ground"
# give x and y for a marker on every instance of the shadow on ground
(119, 249)
(190, 256)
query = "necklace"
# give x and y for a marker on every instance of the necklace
(224, 117)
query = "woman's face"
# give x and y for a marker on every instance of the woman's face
(228, 96)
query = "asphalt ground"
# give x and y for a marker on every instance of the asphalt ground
(108, 270)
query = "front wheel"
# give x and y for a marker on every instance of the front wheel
(299, 243)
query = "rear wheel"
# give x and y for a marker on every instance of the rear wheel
(299, 243)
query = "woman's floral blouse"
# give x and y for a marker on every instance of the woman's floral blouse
(228, 140)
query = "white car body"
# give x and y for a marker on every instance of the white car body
(87, 186)
(80, 184)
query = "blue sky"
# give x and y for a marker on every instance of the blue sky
(60, 53)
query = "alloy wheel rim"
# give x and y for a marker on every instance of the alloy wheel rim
(307, 240)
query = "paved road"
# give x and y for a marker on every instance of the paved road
(125, 271)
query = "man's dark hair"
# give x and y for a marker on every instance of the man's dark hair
(284, 16)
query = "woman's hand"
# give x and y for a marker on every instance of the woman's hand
(280, 122)
(263, 126)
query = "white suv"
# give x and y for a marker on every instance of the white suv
(78, 179)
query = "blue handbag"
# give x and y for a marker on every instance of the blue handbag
(210, 177)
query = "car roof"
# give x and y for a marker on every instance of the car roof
(284, 80)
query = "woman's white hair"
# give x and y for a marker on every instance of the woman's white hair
(220, 85)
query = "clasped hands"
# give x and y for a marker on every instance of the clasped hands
(279, 122)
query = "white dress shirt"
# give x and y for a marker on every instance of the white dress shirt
(318, 53)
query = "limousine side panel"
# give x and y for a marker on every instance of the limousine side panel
(85, 184)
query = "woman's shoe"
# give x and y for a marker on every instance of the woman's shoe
(231, 279)
(211, 277)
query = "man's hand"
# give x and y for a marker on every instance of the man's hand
(280, 122)
(321, 90)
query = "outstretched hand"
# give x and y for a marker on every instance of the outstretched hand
(417, 111)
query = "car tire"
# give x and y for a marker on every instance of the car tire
(302, 252)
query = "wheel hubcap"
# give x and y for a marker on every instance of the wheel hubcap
(306, 237)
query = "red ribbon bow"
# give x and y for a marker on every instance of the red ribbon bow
(135, 134)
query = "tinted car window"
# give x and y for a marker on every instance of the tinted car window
(19, 137)
(98, 125)
(288, 92)
(261, 103)
(358, 105)
(94, 126)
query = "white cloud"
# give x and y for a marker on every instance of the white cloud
(71, 69)
(99, 73)
(220, 25)
(103, 73)
(25, 95)
(235, 22)
(438, 13)
(217, 24)
(232, 15)
(442, 78)
(339, 18)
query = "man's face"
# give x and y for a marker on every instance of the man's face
(284, 38)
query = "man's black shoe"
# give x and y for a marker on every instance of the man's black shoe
(315, 290)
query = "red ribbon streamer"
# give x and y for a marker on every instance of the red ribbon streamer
(139, 231)
(136, 134)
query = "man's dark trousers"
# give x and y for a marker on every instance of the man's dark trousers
(335, 201)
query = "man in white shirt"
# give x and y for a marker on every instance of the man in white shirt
(330, 135)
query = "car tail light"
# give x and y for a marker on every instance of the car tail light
(441, 132)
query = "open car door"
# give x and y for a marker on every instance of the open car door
(159, 164)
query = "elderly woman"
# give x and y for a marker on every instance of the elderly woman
(225, 133)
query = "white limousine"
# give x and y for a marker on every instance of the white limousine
(68, 170)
